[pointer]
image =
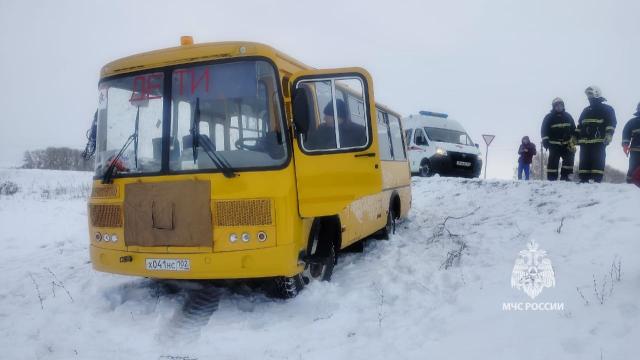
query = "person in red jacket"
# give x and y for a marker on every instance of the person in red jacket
(526, 151)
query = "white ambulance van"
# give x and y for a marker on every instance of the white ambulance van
(440, 145)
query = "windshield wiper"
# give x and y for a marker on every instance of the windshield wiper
(108, 174)
(205, 143)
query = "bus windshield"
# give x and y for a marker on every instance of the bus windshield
(231, 109)
(448, 136)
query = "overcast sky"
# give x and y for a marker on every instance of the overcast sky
(493, 65)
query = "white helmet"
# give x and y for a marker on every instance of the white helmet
(557, 101)
(593, 92)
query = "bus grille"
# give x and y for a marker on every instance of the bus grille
(104, 191)
(242, 213)
(106, 215)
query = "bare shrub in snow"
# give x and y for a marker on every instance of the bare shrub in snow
(586, 302)
(453, 256)
(66, 192)
(604, 290)
(600, 290)
(55, 282)
(616, 270)
(8, 188)
(442, 227)
(559, 229)
(35, 284)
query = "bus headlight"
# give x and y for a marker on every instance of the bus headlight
(106, 237)
(441, 151)
(98, 236)
(233, 238)
(245, 237)
(114, 237)
(262, 236)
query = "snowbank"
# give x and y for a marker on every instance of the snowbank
(433, 291)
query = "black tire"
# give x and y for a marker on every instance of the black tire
(285, 287)
(425, 169)
(390, 226)
(321, 254)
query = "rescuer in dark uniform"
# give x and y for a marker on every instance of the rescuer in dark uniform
(631, 143)
(558, 136)
(595, 130)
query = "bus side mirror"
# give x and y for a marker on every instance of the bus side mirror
(90, 148)
(300, 111)
(478, 145)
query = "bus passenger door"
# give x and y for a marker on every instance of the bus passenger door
(335, 148)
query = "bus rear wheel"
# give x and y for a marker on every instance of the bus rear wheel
(390, 226)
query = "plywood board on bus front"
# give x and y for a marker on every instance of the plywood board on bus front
(174, 213)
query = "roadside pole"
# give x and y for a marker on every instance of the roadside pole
(542, 160)
(487, 140)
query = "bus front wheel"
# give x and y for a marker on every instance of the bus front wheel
(321, 252)
(285, 287)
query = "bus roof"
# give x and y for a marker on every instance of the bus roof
(185, 54)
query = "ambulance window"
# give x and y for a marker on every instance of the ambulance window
(407, 136)
(420, 138)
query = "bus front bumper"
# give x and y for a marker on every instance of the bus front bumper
(280, 260)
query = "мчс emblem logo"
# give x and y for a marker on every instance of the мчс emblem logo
(532, 271)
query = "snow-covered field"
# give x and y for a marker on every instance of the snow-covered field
(411, 297)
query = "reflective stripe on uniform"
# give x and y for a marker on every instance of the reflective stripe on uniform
(593, 121)
(634, 149)
(590, 141)
(635, 131)
(545, 138)
(552, 170)
(559, 142)
(560, 125)
(610, 128)
(568, 167)
(591, 172)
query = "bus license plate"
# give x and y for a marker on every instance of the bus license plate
(168, 264)
(463, 163)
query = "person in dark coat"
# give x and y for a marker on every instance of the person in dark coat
(526, 151)
(558, 136)
(595, 130)
(631, 144)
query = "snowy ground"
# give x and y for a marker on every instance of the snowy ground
(400, 299)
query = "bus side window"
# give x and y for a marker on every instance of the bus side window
(384, 138)
(346, 126)
(321, 134)
(396, 138)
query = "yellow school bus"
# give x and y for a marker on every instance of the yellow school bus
(233, 160)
